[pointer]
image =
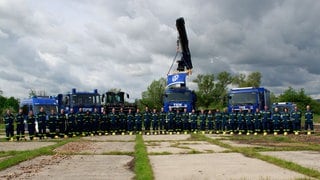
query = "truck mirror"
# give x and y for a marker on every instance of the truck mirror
(127, 96)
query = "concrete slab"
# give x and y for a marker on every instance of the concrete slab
(23, 146)
(111, 138)
(76, 167)
(96, 147)
(168, 137)
(216, 166)
(308, 159)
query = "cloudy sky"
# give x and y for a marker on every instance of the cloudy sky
(57, 45)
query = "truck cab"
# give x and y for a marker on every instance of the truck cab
(179, 98)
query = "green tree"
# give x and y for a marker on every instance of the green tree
(212, 92)
(205, 92)
(252, 80)
(153, 97)
(300, 98)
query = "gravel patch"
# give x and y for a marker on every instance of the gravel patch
(96, 147)
(111, 138)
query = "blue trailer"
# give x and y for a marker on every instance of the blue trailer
(248, 98)
(75, 99)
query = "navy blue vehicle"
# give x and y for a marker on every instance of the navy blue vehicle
(177, 95)
(85, 100)
(282, 105)
(248, 98)
(34, 104)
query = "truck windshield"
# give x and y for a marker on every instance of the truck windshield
(243, 98)
(85, 99)
(47, 108)
(178, 97)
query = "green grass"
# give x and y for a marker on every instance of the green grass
(254, 153)
(142, 166)
(15, 157)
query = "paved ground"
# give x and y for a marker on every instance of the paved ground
(171, 156)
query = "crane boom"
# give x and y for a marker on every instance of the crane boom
(185, 62)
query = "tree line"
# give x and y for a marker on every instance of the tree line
(212, 91)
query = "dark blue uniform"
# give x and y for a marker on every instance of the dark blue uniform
(52, 124)
(296, 120)
(286, 121)
(203, 119)
(31, 120)
(249, 122)
(232, 121)
(266, 120)
(8, 120)
(71, 125)
(138, 121)
(130, 122)
(20, 126)
(155, 121)
(218, 121)
(257, 121)
(147, 120)
(42, 124)
(276, 121)
(309, 120)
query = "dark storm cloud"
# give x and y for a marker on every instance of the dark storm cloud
(126, 44)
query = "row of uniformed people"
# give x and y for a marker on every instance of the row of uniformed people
(95, 123)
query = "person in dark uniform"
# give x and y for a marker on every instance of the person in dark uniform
(185, 120)
(276, 120)
(266, 120)
(257, 120)
(130, 121)
(178, 122)
(162, 119)
(52, 123)
(147, 119)
(31, 121)
(105, 123)
(155, 120)
(286, 121)
(122, 121)
(218, 120)
(308, 119)
(232, 121)
(87, 121)
(138, 121)
(42, 124)
(71, 125)
(79, 119)
(96, 118)
(296, 122)
(225, 119)
(8, 120)
(249, 121)
(62, 122)
(170, 119)
(241, 121)
(114, 121)
(194, 121)
(203, 119)
(210, 121)
(20, 125)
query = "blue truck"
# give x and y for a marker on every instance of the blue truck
(76, 99)
(177, 95)
(34, 104)
(282, 105)
(248, 98)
